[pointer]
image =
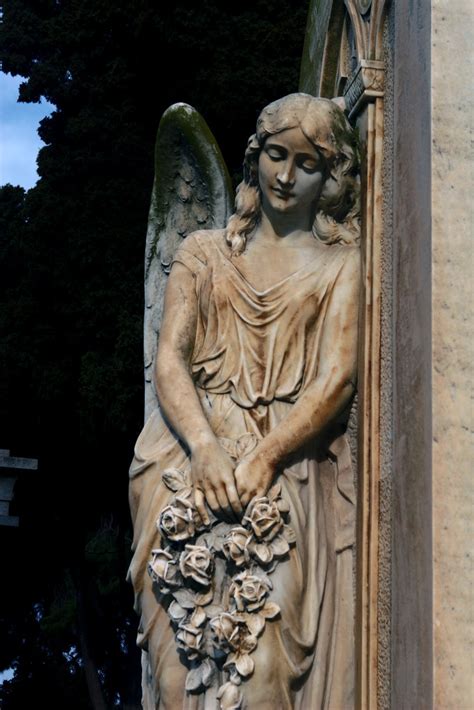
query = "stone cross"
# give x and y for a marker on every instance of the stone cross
(9, 467)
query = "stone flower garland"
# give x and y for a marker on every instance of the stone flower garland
(217, 624)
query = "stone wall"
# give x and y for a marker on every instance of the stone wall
(452, 70)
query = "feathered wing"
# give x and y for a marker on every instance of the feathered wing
(192, 190)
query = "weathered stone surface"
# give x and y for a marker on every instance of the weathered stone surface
(452, 39)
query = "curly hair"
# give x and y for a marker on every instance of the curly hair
(323, 123)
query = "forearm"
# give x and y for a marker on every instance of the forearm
(314, 410)
(179, 401)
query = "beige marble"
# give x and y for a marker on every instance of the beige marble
(452, 351)
(241, 491)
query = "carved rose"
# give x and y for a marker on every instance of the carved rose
(163, 569)
(176, 521)
(264, 517)
(232, 633)
(189, 638)
(190, 634)
(235, 546)
(249, 592)
(196, 562)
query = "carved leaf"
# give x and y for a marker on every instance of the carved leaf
(263, 553)
(204, 598)
(175, 479)
(198, 617)
(185, 598)
(283, 506)
(213, 610)
(194, 679)
(229, 695)
(244, 665)
(289, 534)
(208, 672)
(274, 492)
(255, 623)
(270, 610)
(176, 611)
(280, 546)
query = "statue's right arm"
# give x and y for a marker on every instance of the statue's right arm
(211, 467)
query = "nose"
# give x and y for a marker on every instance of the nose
(286, 175)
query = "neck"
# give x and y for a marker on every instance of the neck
(276, 225)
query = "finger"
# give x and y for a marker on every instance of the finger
(248, 496)
(223, 501)
(211, 500)
(244, 498)
(200, 504)
(234, 499)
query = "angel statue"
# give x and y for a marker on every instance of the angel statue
(241, 487)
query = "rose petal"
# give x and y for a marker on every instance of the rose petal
(203, 580)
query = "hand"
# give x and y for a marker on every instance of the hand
(253, 476)
(212, 473)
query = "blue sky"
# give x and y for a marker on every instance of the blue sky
(19, 140)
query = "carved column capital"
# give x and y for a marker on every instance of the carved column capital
(365, 85)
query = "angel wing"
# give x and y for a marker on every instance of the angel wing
(192, 190)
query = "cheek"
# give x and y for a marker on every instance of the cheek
(265, 169)
(312, 186)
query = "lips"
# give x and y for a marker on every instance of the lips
(284, 194)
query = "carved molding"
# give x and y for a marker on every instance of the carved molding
(363, 95)
(367, 18)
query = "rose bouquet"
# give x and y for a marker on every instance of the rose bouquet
(214, 581)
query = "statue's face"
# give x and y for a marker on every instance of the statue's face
(291, 172)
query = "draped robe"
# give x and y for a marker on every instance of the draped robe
(255, 353)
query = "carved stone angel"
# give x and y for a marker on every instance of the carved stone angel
(241, 486)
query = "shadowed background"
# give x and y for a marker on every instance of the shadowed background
(71, 305)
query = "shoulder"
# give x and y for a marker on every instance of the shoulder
(205, 236)
(198, 249)
(348, 257)
(203, 241)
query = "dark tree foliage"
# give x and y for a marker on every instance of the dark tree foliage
(71, 275)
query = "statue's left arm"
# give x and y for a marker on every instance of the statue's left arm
(324, 398)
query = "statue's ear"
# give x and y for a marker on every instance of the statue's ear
(192, 190)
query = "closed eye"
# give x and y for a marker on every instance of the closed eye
(275, 152)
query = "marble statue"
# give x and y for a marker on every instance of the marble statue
(241, 488)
